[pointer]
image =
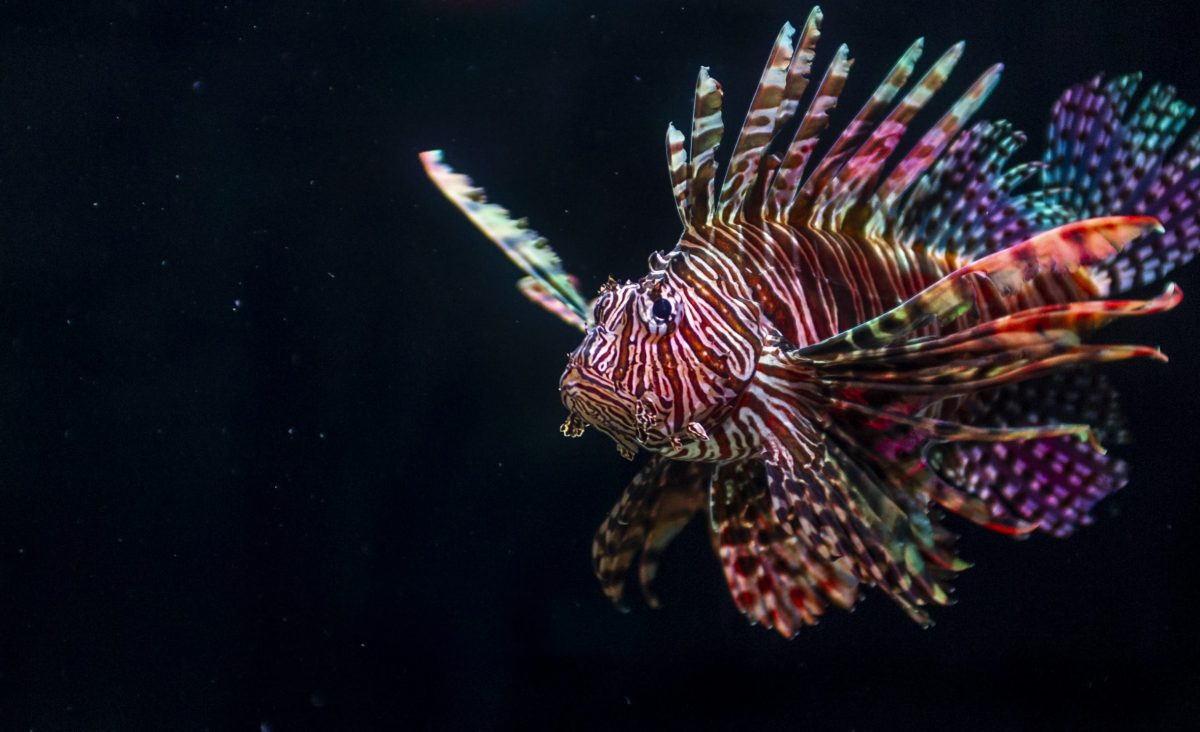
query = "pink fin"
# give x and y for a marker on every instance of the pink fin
(1051, 483)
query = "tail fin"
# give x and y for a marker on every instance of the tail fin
(1101, 157)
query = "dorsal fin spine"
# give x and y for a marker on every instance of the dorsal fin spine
(816, 118)
(677, 168)
(817, 188)
(707, 129)
(758, 129)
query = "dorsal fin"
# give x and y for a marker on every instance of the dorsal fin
(816, 187)
(800, 68)
(757, 129)
(932, 143)
(860, 172)
(707, 129)
(677, 169)
(816, 118)
(1101, 159)
(962, 209)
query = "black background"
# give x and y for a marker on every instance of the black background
(278, 438)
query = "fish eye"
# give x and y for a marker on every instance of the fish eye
(661, 309)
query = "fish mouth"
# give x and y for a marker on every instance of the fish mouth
(595, 400)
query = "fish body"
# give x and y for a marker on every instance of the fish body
(838, 345)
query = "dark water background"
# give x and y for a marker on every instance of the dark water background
(278, 438)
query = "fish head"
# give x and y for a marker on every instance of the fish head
(663, 360)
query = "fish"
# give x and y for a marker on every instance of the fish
(854, 338)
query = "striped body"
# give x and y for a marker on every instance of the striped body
(703, 384)
(838, 344)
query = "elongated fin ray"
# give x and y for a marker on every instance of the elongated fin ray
(1065, 248)
(860, 172)
(817, 187)
(707, 129)
(1079, 318)
(942, 430)
(522, 245)
(677, 168)
(791, 172)
(800, 68)
(758, 128)
(929, 148)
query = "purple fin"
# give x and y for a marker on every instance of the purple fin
(1102, 157)
(1050, 483)
(962, 209)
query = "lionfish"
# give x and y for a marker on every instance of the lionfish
(841, 346)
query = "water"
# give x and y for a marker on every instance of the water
(278, 438)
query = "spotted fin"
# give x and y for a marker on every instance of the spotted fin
(1051, 483)
(554, 289)
(776, 578)
(821, 491)
(1101, 157)
(1046, 484)
(659, 501)
(965, 207)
